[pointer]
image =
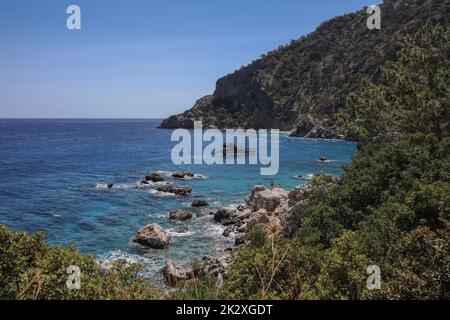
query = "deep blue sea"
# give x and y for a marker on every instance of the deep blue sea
(53, 175)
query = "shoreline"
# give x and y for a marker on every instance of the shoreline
(265, 207)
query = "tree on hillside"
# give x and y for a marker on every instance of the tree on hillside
(413, 94)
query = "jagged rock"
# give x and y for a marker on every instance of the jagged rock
(227, 222)
(180, 215)
(154, 177)
(300, 193)
(282, 208)
(242, 207)
(269, 199)
(178, 190)
(110, 185)
(228, 231)
(199, 203)
(152, 236)
(107, 265)
(173, 274)
(263, 219)
(222, 214)
(303, 127)
(182, 175)
(215, 266)
(239, 239)
(242, 228)
(244, 214)
(186, 120)
(305, 78)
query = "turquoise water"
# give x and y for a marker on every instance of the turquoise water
(53, 172)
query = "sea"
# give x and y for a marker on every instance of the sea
(54, 175)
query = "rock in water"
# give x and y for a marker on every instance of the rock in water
(182, 175)
(173, 274)
(222, 214)
(153, 236)
(180, 215)
(110, 185)
(323, 159)
(178, 190)
(154, 177)
(268, 199)
(199, 203)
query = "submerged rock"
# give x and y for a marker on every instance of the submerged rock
(180, 215)
(152, 236)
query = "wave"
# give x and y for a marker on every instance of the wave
(168, 174)
(162, 194)
(176, 233)
(309, 176)
(107, 186)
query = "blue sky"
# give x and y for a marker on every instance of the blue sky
(138, 58)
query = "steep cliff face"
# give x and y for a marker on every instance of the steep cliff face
(300, 87)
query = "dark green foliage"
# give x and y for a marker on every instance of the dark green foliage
(31, 269)
(413, 94)
(391, 208)
(314, 74)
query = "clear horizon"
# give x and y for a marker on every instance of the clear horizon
(138, 59)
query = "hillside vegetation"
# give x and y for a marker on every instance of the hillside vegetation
(390, 209)
(301, 86)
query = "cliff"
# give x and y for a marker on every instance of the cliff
(301, 86)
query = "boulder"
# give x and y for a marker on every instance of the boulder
(228, 230)
(152, 236)
(177, 190)
(173, 274)
(283, 208)
(110, 185)
(181, 215)
(242, 228)
(263, 219)
(215, 266)
(199, 203)
(222, 214)
(154, 177)
(268, 199)
(300, 193)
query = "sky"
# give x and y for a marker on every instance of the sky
(138, 58)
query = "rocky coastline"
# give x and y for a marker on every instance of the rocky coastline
(265, 207)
